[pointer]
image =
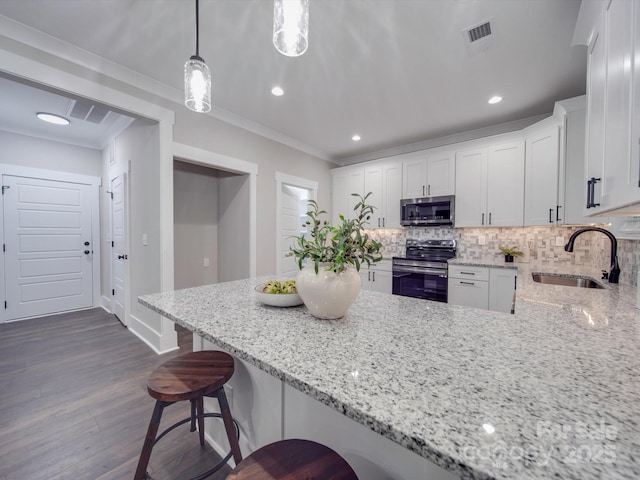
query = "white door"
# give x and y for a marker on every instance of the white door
(118, 246)
(48, 246)
(290, 221)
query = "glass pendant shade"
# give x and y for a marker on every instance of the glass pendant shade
(291, 26)
(197, 85)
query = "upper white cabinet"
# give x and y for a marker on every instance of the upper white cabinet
(382, 179)
(490, 186)
(345, 182)
(541, 186)
(429, 177)
(612, 170)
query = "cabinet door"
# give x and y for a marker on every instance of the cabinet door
(635, 119)
(338, 196)
(391, 194)
(502, 286)
(468, 293)
(365, 279)
(505, 185)
(574, 193)
(441, 175)
(617, 184)
(596, 85)
(414, 178)
(541, 192)
(373, 184)
(382, 281)
(355, 184)
(344, 184)
(471, 188)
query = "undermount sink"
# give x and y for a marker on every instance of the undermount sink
(569, 281)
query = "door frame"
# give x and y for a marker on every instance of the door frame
(292, 180)
(94, 183)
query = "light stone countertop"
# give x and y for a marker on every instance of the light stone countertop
(559, 380)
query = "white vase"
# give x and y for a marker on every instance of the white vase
(328, 294)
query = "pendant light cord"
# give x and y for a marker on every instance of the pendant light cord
(197, 28)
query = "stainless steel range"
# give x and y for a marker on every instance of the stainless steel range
(423, 271)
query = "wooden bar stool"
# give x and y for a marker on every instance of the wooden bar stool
(293, 460)
(192, 377)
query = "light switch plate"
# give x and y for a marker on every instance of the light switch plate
(482, 240)
(559, 241)
(145, 239)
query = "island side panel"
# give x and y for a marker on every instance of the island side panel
(255, 399)
(372, 456)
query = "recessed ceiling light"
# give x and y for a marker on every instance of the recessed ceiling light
(356, 138)
(495, 99)
(52, 118)
(277, 91)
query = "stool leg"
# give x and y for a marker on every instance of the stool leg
(152, 431)
(228, 425)
(193, 415)
(200, 412)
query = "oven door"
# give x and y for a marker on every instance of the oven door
(427, 283)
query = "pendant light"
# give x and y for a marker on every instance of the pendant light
(197, 77)
(291, 26)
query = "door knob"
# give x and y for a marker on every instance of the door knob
(86, 244)
(86, 252)
(122, 257)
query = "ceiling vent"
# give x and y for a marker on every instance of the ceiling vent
(480, 31)
(87, 111)
(479, 38)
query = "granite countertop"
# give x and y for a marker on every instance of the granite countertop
(557, 382)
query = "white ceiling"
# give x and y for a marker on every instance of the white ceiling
(393, 71)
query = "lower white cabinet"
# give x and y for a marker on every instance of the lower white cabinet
(482, 287)
(377, 278)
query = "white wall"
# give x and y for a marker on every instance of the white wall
(195, 207)
(139, 146)
(38, 153)
(233, 222)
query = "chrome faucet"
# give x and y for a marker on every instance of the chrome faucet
(614, 274)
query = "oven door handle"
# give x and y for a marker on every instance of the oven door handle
(425, 271)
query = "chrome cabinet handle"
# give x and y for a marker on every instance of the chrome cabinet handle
(467, 283)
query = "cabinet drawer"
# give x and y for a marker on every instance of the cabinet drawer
(469, 293)
(470, 273)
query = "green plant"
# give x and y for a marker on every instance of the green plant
(514, 252)
(341, 245)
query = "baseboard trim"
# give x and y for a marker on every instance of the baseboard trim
(106, 303)
(147, 335)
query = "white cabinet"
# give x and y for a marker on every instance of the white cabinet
(384, 180)
(502, 289)
(541, 178)
(490, 186)
(612, 161)
(469, 286)
(377, 278)
(344, 183)
(482, 287)
(432, 176)
(596, 84)
(617, 124)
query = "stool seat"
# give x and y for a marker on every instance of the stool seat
(293, 459)
(190, 376)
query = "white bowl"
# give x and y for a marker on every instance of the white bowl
(277, 299)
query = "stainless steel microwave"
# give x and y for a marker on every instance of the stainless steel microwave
(427, 211)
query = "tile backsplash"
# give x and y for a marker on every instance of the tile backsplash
(540, 245)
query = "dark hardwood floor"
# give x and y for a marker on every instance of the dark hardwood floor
(74, 406)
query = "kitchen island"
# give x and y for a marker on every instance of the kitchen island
(552, 391)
